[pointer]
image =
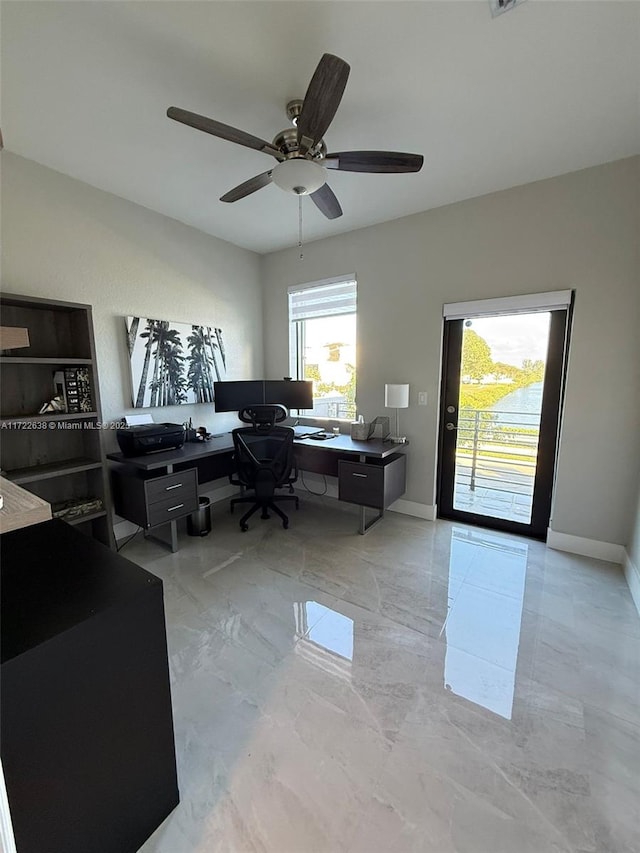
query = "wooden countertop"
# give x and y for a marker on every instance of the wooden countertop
(20, 507)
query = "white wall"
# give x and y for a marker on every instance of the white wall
(66, 240)
(576, 231)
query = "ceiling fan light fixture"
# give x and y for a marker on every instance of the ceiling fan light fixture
(299, 176)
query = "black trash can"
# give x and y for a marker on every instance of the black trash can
(199, 522)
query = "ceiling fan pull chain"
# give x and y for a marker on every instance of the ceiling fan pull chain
(300, 226)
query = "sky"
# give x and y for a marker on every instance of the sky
(515, 337)
(512, 338)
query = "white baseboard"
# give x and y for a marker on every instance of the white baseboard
(315, 483)
(632, 574)
(417, 510)
(608, 551)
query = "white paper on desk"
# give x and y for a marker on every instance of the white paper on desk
(136, 420)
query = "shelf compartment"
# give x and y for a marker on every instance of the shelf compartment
(79, 485)
(89, 516)
(36, 446)
(47, 472)
(56, 329)
(28, 384)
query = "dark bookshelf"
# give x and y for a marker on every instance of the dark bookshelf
(39, 451)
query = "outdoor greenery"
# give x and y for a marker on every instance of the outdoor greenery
(483, 382)
(477, 365)
(476, 357)
(348, 391)
(476, 393)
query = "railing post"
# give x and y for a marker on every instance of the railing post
(472, 482)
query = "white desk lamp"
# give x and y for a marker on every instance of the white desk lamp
(397, 397)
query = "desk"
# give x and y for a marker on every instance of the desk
(20, 507)
(159, 488)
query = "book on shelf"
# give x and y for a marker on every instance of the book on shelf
(76, 507)
(73, 384)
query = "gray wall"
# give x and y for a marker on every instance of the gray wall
(576, 231)
(66, 240)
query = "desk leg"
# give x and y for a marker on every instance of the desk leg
(365, 525)
(173, 529)
(172, 542)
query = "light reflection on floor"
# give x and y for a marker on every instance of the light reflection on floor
(482, 631)
(426, 688)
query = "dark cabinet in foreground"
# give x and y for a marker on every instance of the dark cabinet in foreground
(87, 730)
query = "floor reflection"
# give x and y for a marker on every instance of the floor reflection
(324, 637)
(310, 695)
(482, 630)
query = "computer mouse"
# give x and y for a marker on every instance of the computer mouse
(319, 436)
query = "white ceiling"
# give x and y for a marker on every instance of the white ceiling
(547, 88)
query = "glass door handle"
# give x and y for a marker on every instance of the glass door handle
(450, 426)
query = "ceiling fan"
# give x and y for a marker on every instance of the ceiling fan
(301, 151)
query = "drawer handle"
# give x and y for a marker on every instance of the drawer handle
(172, 508)
(359, 475)
(168, 488)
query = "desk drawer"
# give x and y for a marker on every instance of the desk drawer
(376, 483)
(171, 508)
(182, 486)
(361, 483)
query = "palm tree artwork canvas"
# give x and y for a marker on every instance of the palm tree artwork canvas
(173, 363)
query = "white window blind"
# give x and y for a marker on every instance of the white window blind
(526, 304)
(324, 299)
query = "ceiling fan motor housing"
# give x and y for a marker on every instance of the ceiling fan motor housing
(287, 143)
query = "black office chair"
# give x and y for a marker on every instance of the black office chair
(264, 459)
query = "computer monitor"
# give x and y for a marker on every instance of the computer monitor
(292, 393)
(234, 396)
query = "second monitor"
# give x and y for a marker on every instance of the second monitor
(234, 396)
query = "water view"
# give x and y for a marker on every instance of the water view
(525, 402)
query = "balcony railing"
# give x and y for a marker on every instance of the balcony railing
(335, 406)
(496, 457)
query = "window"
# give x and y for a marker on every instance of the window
(322, 344)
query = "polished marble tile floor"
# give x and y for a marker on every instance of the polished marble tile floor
(427, 687)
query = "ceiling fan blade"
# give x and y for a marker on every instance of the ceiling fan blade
(248, 187)
(322, 99)
(374, 161)
(326, 202)
(223, 131)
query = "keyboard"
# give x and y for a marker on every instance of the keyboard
(302, 431)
